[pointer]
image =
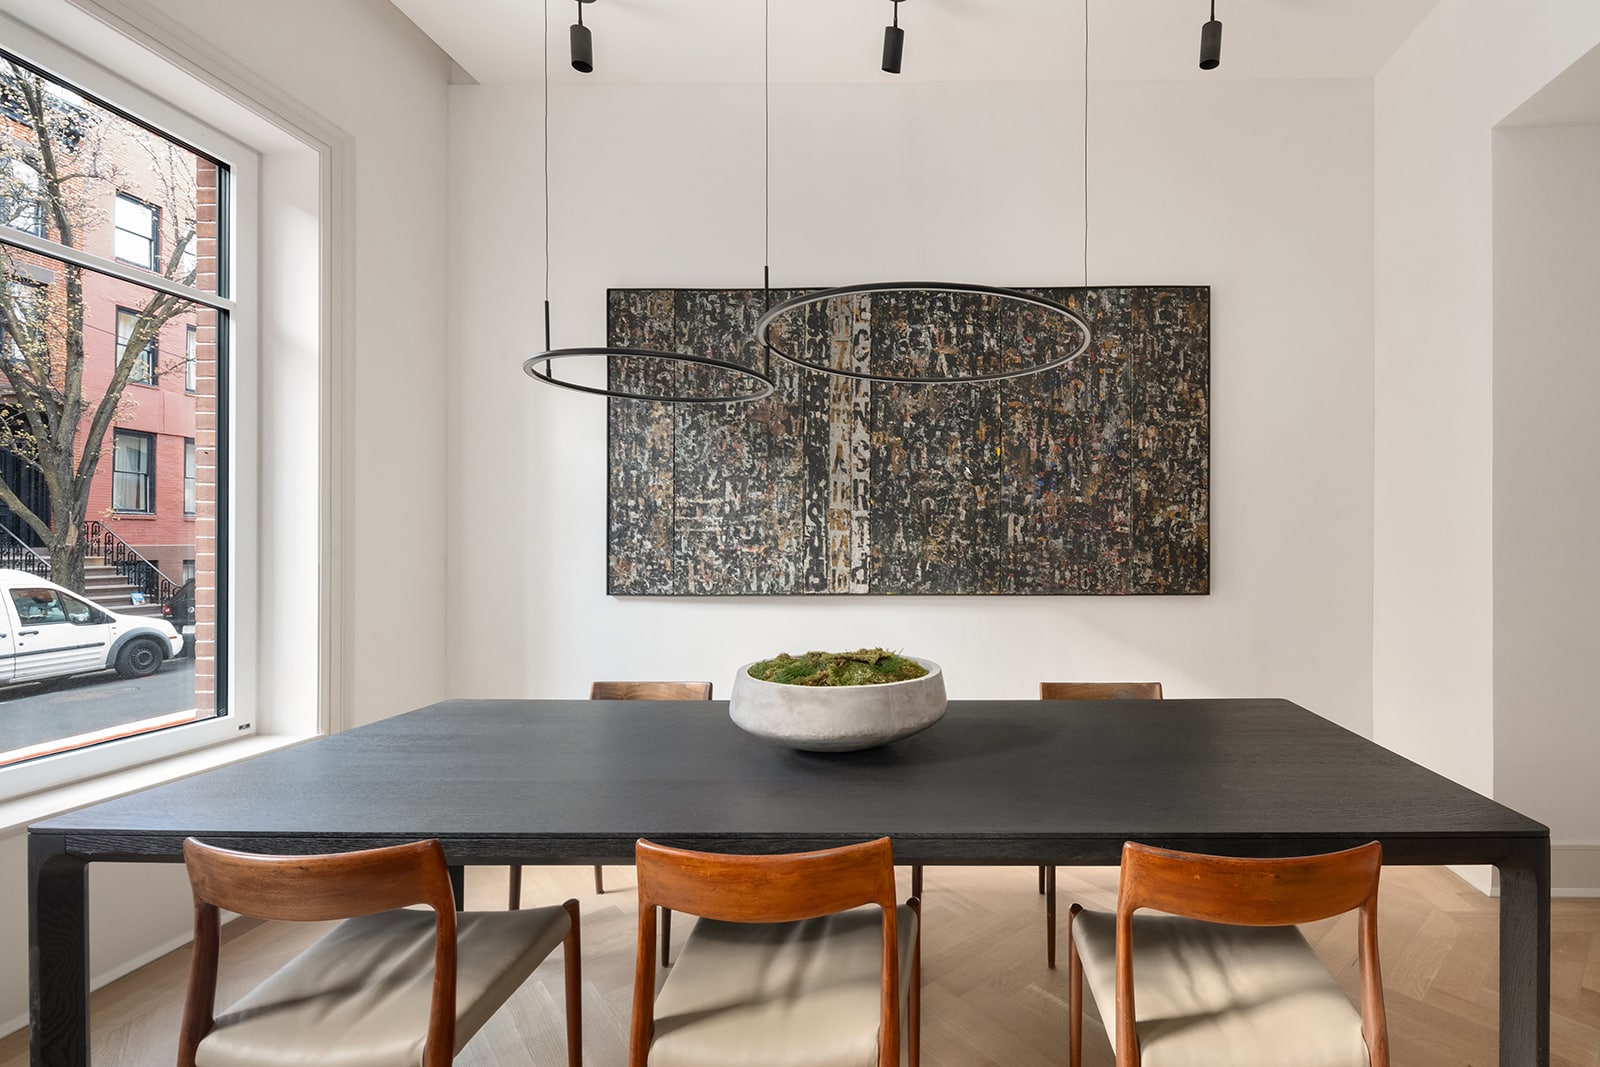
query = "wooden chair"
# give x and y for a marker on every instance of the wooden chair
(1183, 988)
(387, 986)
(1067, 691)
(788, 963)
(631, 691)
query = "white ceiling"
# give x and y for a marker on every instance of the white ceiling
(651, 41)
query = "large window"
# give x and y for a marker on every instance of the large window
(92, 303)
(144, 361)
(133, 484)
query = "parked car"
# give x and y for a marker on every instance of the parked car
(179, 611)
(51, 632)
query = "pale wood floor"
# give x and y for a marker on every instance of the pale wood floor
(988, 998)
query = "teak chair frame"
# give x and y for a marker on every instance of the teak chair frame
(1240, 892)
(1066, 691)
(775, 889)
(341, 886)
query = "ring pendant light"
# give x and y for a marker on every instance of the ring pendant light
(1057, 312)
(540, 367)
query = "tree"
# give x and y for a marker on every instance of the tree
(62, 161)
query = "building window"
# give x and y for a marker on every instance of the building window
(133, 476)
(21, 205)
(188, 570)
(144, 365)
(189, 375)
(188, 476)
(138, 232)
(19, 325)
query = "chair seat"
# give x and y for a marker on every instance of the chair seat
(1205, 995)
(800, 994)
(359, 997)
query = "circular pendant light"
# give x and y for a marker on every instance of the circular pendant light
(1054, 316)
(540, 367)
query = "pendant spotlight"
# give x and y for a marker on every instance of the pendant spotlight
(894, 42)
(1211, 41)
(582, 44)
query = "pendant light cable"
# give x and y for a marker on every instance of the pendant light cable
(546, 66)
(1086, 143)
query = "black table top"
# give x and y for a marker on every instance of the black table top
(577, 781)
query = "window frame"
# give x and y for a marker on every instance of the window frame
(153, 237)
(147, 476)
(150, 358)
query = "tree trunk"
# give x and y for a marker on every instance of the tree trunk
(66, 560)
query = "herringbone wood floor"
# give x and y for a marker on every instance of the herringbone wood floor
(988, 998)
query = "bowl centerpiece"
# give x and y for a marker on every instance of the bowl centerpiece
(837, 702)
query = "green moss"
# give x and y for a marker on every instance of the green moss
(864, 666)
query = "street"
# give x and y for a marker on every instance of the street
(37, 712)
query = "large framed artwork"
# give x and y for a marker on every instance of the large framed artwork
(1087, 479)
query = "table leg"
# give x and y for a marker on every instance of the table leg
(1525, 956)
(58, 955)
(458, 885)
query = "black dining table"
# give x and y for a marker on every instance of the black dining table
(1022, 782)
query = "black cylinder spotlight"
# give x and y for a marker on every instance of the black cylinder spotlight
(582, 44)
(1211, 41)
(894, 42)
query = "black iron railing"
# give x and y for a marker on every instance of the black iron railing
(18, 555)
(134, 568)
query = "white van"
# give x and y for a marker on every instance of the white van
(50, 632)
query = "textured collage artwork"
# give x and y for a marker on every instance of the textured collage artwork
(1089, 479)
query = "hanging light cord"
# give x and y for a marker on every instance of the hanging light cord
(546, 66)
(766, 160)
(1086, 141)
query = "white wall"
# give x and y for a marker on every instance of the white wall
(361, 66)
(1260, 190)
(1546, 507)
(1464, 69)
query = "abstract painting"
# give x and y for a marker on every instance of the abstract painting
(1091, 478)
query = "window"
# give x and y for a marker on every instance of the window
(21, 204)
(188, 570)
(133, 472)
(207, 132)
(23, 302)
(188, 487)
(189, 375)
(144, 367)
(138, 232)
(44, 606)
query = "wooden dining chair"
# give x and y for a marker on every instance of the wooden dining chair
(1067, 691)
(801, 959)
(630, 691)
(1224, 976)
(390, 986)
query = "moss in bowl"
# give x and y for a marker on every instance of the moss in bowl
(811, 714)
(864, 666)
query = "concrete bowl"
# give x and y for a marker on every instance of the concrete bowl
(837, 718)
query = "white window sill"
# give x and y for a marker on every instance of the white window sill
(18, 814)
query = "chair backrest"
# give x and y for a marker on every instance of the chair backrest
(1253, 892)
(650, 691)
(315, 889)
(763, 889)
(1099, 690)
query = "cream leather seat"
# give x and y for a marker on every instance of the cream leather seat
(785, 967)
(1224, 977)
(390, 987)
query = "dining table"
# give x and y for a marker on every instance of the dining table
(994, 782)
